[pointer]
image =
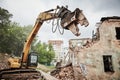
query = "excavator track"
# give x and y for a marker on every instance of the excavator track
(19, 74)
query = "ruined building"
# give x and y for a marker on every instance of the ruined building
(99, 56)
(57, 46)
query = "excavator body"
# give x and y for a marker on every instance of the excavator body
(26, 65)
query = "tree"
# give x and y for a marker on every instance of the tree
(45, 53)
(12, 35)
(4, 18)
(4, 28)
(17, 37)
(51, 54)
(13, 40)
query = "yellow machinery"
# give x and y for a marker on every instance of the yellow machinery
(23, 68)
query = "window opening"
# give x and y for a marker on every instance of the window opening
(107, 60)
(117, 32)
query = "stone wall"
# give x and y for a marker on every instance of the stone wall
(102, 58)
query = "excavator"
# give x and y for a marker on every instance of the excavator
(25, 67)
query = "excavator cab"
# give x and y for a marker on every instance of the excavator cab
(32, 59)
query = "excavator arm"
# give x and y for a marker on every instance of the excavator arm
(69, 21)
(21, 68)
(41, 18)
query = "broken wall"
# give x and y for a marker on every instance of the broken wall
(102, 58)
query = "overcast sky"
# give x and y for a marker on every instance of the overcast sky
(25, 12)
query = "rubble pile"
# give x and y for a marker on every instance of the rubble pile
(68, 72)
(79, 74)
(4, 61)
(64, 73)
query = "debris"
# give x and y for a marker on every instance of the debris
(64, 73)
(4, 61)
(68, 72)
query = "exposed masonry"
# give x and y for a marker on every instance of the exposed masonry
(101, 54)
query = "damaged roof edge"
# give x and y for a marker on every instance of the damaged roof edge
(106, 18)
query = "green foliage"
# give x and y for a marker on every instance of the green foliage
(4, 18)
(45, 52)
(13, 40)
(12, 35)
(4, 29)
(17, 38)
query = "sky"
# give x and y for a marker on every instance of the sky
(25, 12)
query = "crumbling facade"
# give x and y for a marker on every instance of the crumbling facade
(100, 55)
